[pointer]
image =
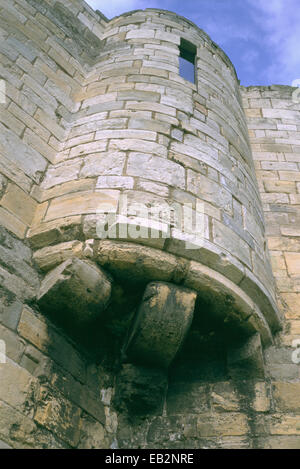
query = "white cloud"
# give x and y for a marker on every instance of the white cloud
(279, 21)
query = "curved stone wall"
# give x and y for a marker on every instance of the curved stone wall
(169, 160)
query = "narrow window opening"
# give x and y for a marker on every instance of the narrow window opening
(187, 60)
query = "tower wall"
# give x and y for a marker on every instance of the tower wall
(144, 135)
(49, 391)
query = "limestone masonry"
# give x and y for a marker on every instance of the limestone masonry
(149, 237)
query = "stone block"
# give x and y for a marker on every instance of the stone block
(56, 231)
(286, 396)
(92, 434)
(162, 322)
(14, 346)
(156, 169)
(127, 133)
(87, 148)
(292, 303)
(227, 239)
(135, 261)
(137, 229)
(49, 257)
(17, 386)
(293, 263)
(10, 313)
(140, 390)
(209, 191)
(76, 288)
(114, 182)
(83, 203)
(247, 360)
(279, 442)
(80, 185)
(11, 223)
(16, 429)
(24, 157)
(45, 338)
(147, 124)
(139, 146)
(285, 425)
(225, 424)
(103, 164)
(36, 363)
(58, 415)
(187, 398)
(4, 445)
(224, 397)
(61, 173)
(19, 204)
(261, 400)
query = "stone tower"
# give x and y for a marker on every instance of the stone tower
(150, 262)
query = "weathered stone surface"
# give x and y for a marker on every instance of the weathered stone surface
(135, 261)
(279, 442)
(16, 429)
(156, 169)
(139, 145)
(209, 191)
(39, 333)
(59, 174)
(77, 288)
(146, 231)
(17, 387)
(162, 322)
(262, 400)
(187, 398)
(293, 263)
(231, 424)
(92, 434)
(4, 445)
(140, 390)
(49, 257)
(287, 396)
(10, 311)
(11, 223)
(247, 360)
(226, 238)
(56, 231)
(59, 415)
(26, 158)
(225, 398)
(103, 164)
(87, 202)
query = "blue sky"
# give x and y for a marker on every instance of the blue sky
(261, 37)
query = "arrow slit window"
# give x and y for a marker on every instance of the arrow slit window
(187, 60)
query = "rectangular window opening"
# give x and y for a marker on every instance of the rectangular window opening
(187, 60)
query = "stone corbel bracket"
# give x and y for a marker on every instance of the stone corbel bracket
(81, 286)
(134, 262)
(162, 323)
(77, 288)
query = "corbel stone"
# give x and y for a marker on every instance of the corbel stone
(76, 288)
(163, 320)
